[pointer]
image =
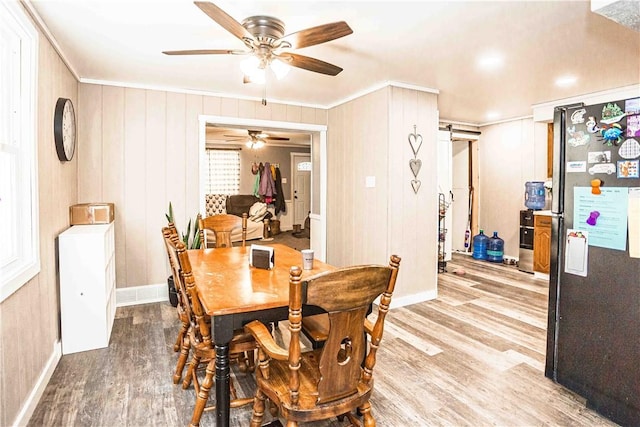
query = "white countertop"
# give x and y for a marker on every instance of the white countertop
(543, 212)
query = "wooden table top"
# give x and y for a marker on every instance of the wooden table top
(227, 284)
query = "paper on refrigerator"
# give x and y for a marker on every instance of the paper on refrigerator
(576, 258)
(634, 222)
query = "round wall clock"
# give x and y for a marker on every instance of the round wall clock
(64, 129)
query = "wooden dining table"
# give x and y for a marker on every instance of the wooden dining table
(234, 293)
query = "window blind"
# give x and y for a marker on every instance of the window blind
(223, 172)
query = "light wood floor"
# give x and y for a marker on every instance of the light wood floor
(472, 357)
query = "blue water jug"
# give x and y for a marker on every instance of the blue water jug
(495, 248)
(534, 195)
(480, 242)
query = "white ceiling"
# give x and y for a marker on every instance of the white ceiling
(431, 44)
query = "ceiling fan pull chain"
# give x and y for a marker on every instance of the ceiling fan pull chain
(264, 94)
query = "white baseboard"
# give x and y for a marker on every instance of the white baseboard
(159, 292)
(538, 275)
(413, 299)
(38, 389)
(142, 294)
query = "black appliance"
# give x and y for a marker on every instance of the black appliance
(525, 252)
(593, 334)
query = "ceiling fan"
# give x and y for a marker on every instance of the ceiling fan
(268, 46)
(258, 138)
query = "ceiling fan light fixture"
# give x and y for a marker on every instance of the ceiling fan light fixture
(253, 70)
(250, 65)
(254, 144)
(263, 37)
(279, 68)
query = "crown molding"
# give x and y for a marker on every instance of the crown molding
(194, 92)
(543, 112)
(379, 86)
(497, 122)
(47, 33)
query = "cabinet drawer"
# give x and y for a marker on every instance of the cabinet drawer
(542, 221)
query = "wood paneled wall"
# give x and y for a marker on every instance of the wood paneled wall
(368, 138)
(139, 149)
(510, 154)
(29, 319)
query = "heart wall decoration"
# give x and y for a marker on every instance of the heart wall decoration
(415, 142)
(415, 165)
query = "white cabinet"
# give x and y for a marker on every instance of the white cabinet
(87, 286)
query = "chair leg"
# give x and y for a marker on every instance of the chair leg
(232, 389)
(354, 421)
(242, 361)
(367, 417)
(183, 331)
(203, 394)
(251, 360)
(182, 360)
(193, 366)
(258, 409)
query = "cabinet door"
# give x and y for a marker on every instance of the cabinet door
(542, 244)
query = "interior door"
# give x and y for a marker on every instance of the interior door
(301, 187)
(460, 209)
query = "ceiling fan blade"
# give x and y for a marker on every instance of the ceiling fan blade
(203, 52)
(317, 35)
(310, 64)
(224, 20)
(275, 138)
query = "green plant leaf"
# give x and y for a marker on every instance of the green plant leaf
(195, 244)
(196, 241)
(170, 214)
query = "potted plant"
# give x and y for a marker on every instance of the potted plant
(191, 241)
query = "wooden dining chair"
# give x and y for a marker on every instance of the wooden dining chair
(337, 379)
(222, 226)
(202, 348)
(171, 239)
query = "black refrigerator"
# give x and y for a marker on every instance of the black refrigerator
(593, 336)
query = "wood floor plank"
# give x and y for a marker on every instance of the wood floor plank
(472, 357)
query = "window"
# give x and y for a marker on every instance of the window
(222, 172)
(20, 248)
(304, 166)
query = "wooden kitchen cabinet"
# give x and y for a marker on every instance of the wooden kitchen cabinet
(542, 243)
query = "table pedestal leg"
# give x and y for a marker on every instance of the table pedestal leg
(222, 385)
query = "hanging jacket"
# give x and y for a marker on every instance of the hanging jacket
(279, 203)
(256, 186)
(267, 185)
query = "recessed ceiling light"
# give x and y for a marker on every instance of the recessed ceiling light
(492, 115)
(490, 61)
(566, 81)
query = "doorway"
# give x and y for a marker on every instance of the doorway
(318, 178)
(462, 194)
(458, 179)
(301, 173)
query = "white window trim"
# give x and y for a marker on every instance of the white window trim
(28, 265)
